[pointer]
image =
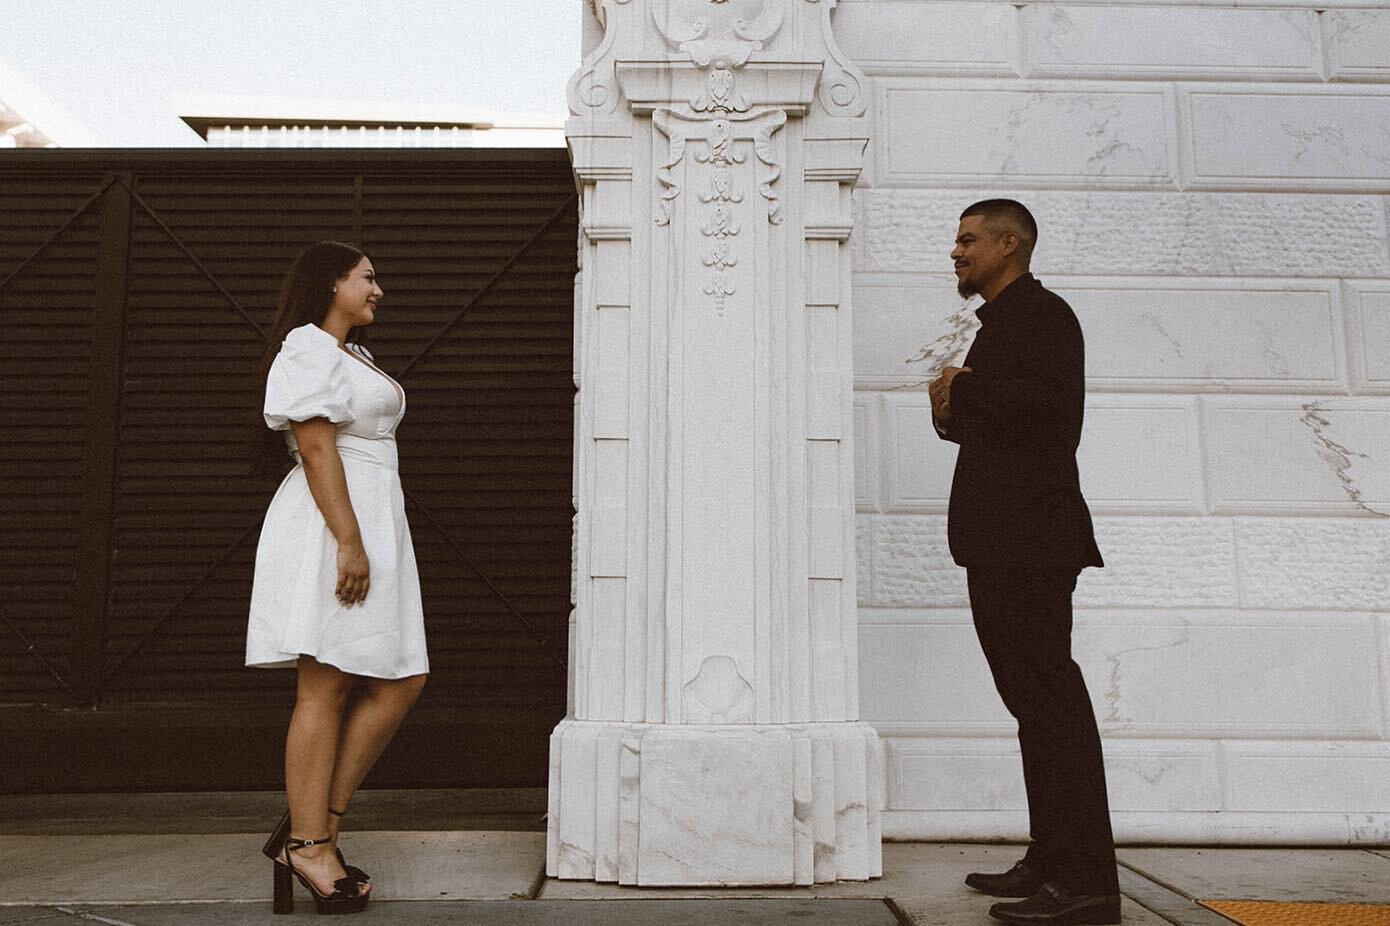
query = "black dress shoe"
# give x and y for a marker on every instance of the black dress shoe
(1056, 906)
(1018, 881)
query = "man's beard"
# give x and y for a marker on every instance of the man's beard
(966, 288)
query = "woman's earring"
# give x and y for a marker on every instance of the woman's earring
(335, 289)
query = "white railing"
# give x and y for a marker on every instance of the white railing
(384, 136)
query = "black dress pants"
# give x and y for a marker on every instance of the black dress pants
(1023, 618)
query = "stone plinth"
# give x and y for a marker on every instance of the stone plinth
(729, 804)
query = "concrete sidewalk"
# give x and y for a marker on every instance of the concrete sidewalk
(478, 857)
(498, 878)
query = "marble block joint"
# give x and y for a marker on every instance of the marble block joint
(715, 735)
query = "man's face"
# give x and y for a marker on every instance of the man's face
(978, 255)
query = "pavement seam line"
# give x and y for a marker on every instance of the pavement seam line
(47, 913)
(1157, 913)
(1172, 888)
(1176, 907)
(897, 911)
(92, 916)
(534, 891)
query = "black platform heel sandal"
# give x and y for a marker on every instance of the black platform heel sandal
(276, 842)
(353, 872)
(346, 896)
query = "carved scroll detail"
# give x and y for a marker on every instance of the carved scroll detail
(762, 145)
(842, 88)
(662, 119)
(592, 90)
(600, 8)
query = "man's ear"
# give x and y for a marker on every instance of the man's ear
(1009, 242)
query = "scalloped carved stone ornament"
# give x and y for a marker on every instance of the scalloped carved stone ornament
(720, 32)
(718, 693)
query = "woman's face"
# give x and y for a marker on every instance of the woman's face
(357, 295)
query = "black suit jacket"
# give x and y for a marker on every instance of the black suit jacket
(1016, 496)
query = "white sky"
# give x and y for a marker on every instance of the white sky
(116, 65)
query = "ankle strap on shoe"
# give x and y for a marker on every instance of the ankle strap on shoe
(293, 843)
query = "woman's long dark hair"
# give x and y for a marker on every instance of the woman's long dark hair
(305, 296)
(307, 292)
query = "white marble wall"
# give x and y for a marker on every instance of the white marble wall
(1213, 183)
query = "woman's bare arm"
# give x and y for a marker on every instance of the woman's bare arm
(323, 469)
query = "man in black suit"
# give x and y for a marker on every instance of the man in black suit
(1019, 526)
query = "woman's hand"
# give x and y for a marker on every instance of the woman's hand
(323, 468)
(354, 573)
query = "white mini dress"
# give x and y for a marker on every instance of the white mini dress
(293, 608)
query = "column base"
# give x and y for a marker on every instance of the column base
(714, 805)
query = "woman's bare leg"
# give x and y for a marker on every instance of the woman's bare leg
(374, 718)
(311, 746)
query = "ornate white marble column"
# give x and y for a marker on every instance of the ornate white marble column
(714, 737)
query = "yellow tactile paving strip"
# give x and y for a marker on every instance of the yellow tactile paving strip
(1277, 913)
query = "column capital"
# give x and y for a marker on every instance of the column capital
(719, 55)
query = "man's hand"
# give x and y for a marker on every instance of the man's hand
(940, 392)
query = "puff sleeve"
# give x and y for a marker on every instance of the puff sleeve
(307, 380)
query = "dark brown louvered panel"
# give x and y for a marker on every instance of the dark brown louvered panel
(205, 262)
(476, 253)
(487, 403)
(48, 246)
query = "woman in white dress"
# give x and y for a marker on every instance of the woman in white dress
(336, 593)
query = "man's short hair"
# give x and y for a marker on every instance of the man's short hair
(1007, 212)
